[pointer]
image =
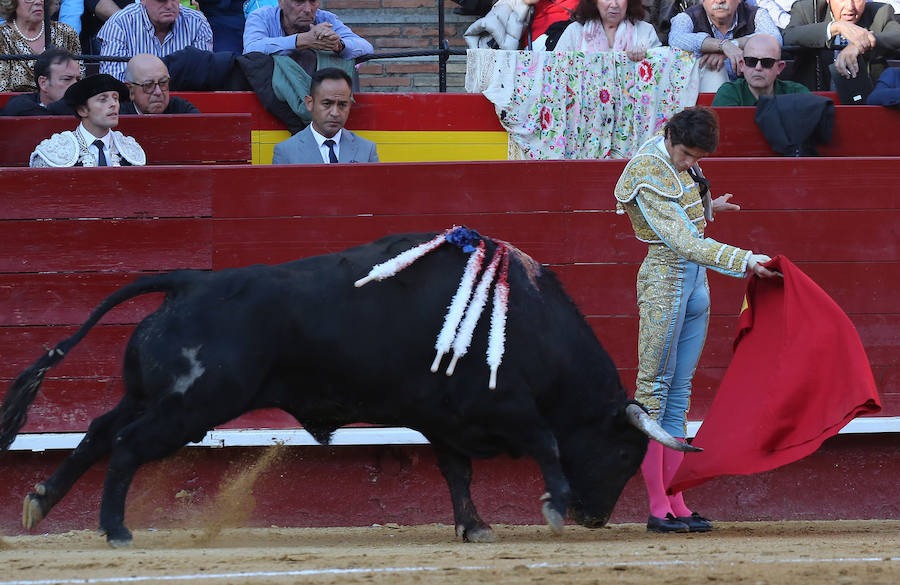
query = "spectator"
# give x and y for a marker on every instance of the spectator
(70, 12)
(95, 100)
(760, 68)
(326, 140)
(23, 34)
(94, 14)
(603, 25)
(55, 70)
(226, 18)
(299, 24)
(779, 10)
(158, 27)
(147, 78)
(716, 32)
(546, 12)
(850, 28)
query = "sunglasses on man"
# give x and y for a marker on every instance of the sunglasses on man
(766, 62)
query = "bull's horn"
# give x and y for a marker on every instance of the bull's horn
(651, 428)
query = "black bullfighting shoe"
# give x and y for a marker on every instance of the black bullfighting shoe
(695, 522)
(667, 524)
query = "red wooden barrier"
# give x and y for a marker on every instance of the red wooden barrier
(166, 139)
(859, 130)
(52, 273)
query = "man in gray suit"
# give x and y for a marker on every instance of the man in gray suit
(326, 140)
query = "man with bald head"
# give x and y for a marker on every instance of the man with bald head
(147, 78)
(761, 64)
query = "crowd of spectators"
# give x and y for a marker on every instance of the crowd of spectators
(249, 37)
(715, 31)
(121, 29)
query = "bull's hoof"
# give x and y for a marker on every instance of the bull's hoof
(34, 507)
(118, 538)
(554, 519)
(478, 534)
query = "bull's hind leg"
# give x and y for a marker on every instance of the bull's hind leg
(457, 470)
(96, 444)
(159, 432)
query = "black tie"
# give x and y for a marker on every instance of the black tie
(332, 158)
(101, 159)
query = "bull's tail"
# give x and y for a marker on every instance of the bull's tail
(24, 389)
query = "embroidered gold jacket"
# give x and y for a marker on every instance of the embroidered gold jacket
(665, 208)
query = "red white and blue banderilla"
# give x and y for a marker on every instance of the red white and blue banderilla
(465, 309)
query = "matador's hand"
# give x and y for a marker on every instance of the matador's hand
(755, 265)
(721, 203)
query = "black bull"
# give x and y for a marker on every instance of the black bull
(299, 336)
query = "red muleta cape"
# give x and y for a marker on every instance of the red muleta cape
(798, 375)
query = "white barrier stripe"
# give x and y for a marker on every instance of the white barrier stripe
(360, 436)
(377, 570)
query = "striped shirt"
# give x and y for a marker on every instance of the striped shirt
(129, 32)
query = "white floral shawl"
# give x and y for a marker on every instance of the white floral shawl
(581, 106)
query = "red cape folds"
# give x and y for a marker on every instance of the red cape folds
(798, 375)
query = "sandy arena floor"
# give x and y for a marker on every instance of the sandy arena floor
(795, 553)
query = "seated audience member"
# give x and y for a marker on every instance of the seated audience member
(226, 18)
(887, 90)
(93, 143)
(716, 32)
(849, 28)
(55, 70)
(761, 65)
(326, 140)
(507, 26)
(97, 12)
(70, 12)
(299, 24)
(23, 34)
(779, 10)
(546, 12)
(147, 79)
(604, 25)
(504, 27)
(158, 27)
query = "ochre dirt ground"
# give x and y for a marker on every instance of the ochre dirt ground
(795, 553)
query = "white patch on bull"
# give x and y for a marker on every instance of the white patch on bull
(182, 383)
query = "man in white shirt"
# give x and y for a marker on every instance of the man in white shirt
(325, 140)
(94, 143)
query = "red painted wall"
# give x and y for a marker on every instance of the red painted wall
(55, 268)
(850, 477)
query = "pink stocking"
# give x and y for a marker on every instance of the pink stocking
(652, 470)
(671, 460)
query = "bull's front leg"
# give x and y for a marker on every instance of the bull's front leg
(542, 446)
(457, 471)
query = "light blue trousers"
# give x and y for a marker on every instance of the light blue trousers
(673, 302)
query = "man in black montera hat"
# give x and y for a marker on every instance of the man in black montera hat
(94, 143)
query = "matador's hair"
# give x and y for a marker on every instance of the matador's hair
(696, 127)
